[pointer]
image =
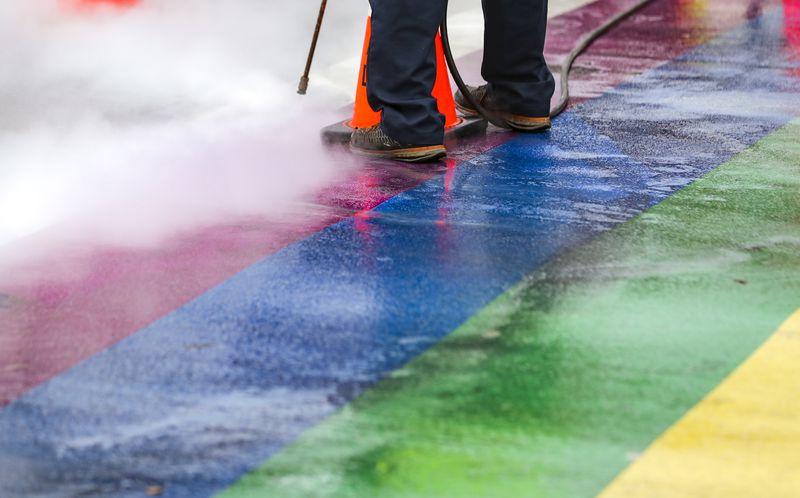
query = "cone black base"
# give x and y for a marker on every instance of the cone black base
(339, 133)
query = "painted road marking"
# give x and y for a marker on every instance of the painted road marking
(589, 359)
(296, 336)
(742, 441)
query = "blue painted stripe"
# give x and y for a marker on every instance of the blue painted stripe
(205, 394)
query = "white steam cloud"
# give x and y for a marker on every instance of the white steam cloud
(139, 122)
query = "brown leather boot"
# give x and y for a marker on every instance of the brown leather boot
(518, 122)
(373, 142)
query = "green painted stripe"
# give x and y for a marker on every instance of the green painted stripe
(554, 388)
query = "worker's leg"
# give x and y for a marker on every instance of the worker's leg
(513, 61)
(401, 69)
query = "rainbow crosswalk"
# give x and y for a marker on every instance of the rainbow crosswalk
(526, 321)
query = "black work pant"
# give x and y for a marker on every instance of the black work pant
(401, 64)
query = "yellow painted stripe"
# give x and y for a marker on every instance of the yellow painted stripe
(743, 440)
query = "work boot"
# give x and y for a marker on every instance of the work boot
(518, 122)
(373, 142)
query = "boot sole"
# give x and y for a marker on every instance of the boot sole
(410, 155)
(522, 123)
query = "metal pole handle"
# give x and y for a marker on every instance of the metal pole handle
(302, 88)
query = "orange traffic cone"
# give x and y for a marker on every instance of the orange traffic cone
(365, 117)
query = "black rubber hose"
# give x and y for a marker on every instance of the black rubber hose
(566, 67)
